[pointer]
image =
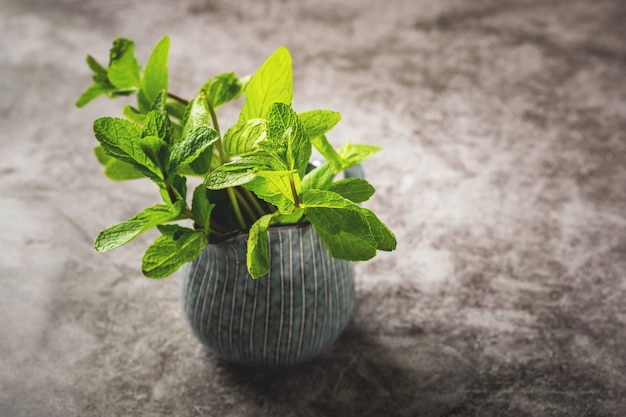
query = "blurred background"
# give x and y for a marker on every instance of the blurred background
(503, 176)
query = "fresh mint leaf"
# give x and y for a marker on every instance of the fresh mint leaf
(197, 114)
(286, 138)
(222, 177)
(120, 138)
(123, 71)
(202, 207)
(276, 188)
(122, 233)
(192, 146)
(157, 151)
(167, 254)
(101, 155)
(272, 83)
(99, 72)
(257, 256)
(331, 214)
(354, 154)
(133, 115)
(92, 92)
(157, 124)
(356, 190)
(318, 122)
(117, 170)
(345, 245)
(320, 178)
(155, 75)
(222, 89)
(243, 138)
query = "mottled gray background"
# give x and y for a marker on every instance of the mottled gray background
(503, 176)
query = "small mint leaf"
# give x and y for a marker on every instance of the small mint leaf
(123, 71)
(257, 256)
(155, 75)
(192, 146)
(243, 138)
(318, 122)
(222, 89)
(201, 207)
(356, 190)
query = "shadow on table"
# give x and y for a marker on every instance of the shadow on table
(360, 376)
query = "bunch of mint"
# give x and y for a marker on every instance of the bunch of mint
(257, 174)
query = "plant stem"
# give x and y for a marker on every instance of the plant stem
(233, 199)
(255, 202)
(245, 205)
(294, 192)
(177, 98)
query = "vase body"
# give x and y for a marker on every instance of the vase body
(288, 316)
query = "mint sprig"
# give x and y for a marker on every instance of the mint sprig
(256, 175)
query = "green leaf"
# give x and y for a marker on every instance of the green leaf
(257, 256)
(197, 114)
(352, 226)
(121, 139)
(157, 124)
(92, 92)
(243, 138)
(117, 170)
(167, 254)
(352, 154)
(273, 83)
(133, 115)
(222, 89)
(222, 177)
(319, 178)
(99, 72)
(123, 71)
(156, 72)
(275, 187)
(121, 233)
(286, 138)
(157, 150)
(175, 108)
(318, 122)
(192, 146)
(201, 207)
(356, 190)
(101, 155)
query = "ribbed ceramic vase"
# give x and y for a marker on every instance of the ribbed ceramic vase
(286, 317)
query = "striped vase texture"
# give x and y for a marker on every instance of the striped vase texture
(283, 318)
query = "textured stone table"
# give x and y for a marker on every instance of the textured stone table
(503, 175)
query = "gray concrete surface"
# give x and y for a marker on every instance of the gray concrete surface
(503, 175)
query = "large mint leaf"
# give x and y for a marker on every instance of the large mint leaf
(171, 251)
(243, 138)
(123, 71)
(332, 215)
(122, 233)
(344, 245)
(286, 138)
(122, 140)
(222, 89)
(155, 75)
(257, 256)
(356, 190)
(117, 170)
(318, 122)
(192, 146)
(272, 83)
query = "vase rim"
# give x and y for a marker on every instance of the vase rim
(272, 229)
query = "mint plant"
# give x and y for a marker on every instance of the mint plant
(257, 174)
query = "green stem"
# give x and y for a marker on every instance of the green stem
(255, 202)
(218, 145)
(245, 205)
(177, 98)
(233, 199)
(294, 192)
